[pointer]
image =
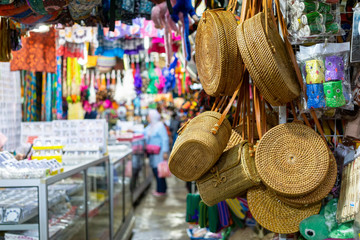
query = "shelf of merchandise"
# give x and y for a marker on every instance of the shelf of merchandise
(42, 187)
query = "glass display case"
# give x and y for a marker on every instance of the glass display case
(122, 217)
(142, 174)
(71, 205)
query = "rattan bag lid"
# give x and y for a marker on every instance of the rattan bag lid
(292, 159)
(319, 193)
(274, 215)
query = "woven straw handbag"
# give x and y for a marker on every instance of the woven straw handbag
(273, 214)
(319, 193)
(219, 62)
(267, 59)
(197, 149)
(232, 175)
(201, 142)
(292, 159)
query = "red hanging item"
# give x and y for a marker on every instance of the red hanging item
(37, 53)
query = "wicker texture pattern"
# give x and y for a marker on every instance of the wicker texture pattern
(235, 139)
(275, 215)
(196, 149)
(267, 60)
(220, 63)
(319, 193)
(230, 177)
(292, 159)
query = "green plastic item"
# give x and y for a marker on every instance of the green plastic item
(334, 94)
(203, 215)
(192, 207)
(237, 221)
(344, 231)
(324, 225)
(213, 218)
(154, 78)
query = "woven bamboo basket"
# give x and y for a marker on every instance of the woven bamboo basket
(219, 62)
(197, 149)
(275, 215)
(319, 193)
(292, 159)
(230, 177)
(267, 60)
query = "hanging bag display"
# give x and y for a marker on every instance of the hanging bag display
(267, 58)
(201, 142)
(218, 62)
(235, 171)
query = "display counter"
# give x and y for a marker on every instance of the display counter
(86, 201)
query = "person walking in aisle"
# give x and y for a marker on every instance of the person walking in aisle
(157, 147)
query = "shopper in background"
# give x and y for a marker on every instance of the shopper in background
(174, 126)
(156, 136)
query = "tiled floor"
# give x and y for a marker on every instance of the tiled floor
(162, 218)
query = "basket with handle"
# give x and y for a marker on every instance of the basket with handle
(267, 59)
(219, 62)
(235, 171)
(201, 142)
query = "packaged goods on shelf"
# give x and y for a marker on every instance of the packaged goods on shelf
(12, 168)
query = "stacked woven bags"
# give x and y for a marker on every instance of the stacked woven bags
(291, 169)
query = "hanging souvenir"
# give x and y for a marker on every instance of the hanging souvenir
(37, 53)
(153, 80)
(325, 70)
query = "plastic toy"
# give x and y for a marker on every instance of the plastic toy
(314, 71)
(334, 94)
(334, 68)
(324, 225)
(315, 94)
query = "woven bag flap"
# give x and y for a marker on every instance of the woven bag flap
(228, 160)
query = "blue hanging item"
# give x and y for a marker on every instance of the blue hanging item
(59, 107)
(315, 94)
(169, 74)
(186, 8)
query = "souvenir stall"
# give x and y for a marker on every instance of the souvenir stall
(275, 150)
(76, 78)
(261, 100)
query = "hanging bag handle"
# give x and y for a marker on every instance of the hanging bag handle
(216, 127)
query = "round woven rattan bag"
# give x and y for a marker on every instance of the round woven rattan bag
(267, 60)
(292, 159)
(275, 215)
(219, 62)
(319, 193)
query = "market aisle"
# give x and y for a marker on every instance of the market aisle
(162, 217)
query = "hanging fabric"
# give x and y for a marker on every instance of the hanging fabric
(48, 102)
(31, 113)
(43, 96)
(37, 53)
